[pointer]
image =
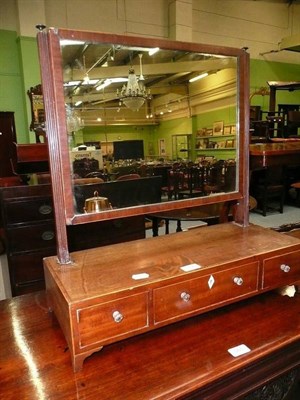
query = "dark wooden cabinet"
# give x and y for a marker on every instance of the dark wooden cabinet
(30, 234)
(7, 137)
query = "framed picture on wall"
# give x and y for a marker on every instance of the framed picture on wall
(227, 130)
(162, 147)
(203, 143)
(201, 132)
(229, 143)
(218, 128)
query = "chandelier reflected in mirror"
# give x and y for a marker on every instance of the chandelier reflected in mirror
(134, 93)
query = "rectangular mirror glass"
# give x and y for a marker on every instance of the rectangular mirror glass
(145, 125)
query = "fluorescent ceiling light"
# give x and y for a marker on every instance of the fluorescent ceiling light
(196, 78)
(119, 80)
(68, 42)
(103, 85)
(88, 81)
(72, 83)
(108, 81)
(153, 51)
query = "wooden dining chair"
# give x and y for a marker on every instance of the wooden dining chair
(267, 186)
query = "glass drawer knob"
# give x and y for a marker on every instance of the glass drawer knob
(285, 268)
(117, 316)
(185, 296)
(238, 280)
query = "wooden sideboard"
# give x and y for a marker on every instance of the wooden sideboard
(111, 293)
(30, 235)
(186, 360)
(278, 153)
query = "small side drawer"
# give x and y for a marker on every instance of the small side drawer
(281, 270)
(112, 319)
(31, 237)
(202, 293)
(29, 210)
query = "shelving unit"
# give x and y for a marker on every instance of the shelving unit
(221, 152)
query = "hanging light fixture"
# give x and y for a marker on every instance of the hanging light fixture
(74, 122)
(134, 94)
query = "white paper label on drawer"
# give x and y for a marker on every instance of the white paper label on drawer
(142, 275)
(190, 267)
(239, 350)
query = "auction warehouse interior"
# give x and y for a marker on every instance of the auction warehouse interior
(149, 199)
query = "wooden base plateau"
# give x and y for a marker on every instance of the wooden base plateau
(114, 292)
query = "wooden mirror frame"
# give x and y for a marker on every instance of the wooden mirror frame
(52, 82)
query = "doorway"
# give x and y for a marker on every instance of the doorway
(181, 147)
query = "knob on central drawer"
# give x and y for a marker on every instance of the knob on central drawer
(285, 268)
(117, 316)
(185, 296)
(238, 280)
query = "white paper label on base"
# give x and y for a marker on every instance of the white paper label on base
(239, 350)
(190, 267)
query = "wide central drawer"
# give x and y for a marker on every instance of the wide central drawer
(181, 299)
(112, 319)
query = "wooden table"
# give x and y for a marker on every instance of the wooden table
(186, 360)
(278, 153)
(208, 214)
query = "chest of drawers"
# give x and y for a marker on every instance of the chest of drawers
(30, 234)
(29, 228)
(114, 292)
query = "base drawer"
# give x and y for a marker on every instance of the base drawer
(281, 270)
(184, 298)
(112, 319)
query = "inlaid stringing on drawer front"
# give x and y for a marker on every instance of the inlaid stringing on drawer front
(112, 319)
(281, 270)
(174, 301)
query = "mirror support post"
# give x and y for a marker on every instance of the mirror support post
(242, 210)
(55, 144)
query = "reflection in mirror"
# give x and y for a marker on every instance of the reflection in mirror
(37, 113)
(149, 125)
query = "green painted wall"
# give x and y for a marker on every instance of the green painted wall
(19, 70)
(30, 74)
(115, 133)
(11, 82)
(263, 71)
(166, 130)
